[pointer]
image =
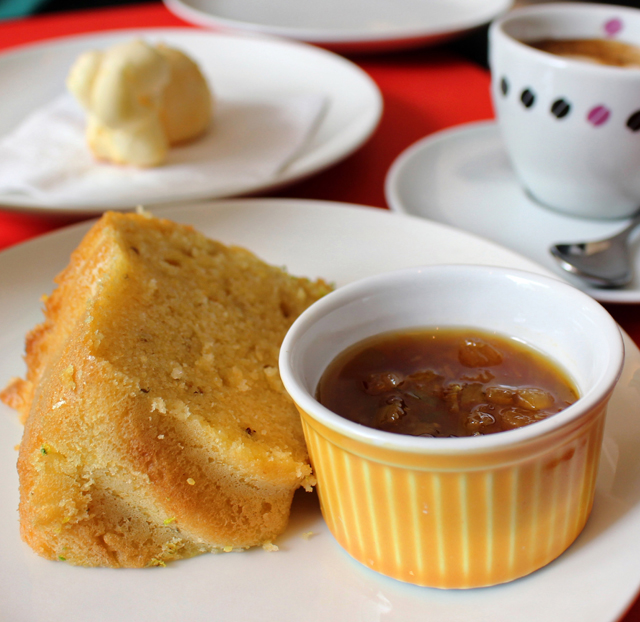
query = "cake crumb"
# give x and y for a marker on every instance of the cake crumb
(158, 404)
(307, 535)
(67, 377)
(151, 287)
(179, 410)
(237, 379)
(191, 481)
(269, 546)
(157, 562)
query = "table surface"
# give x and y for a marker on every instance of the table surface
(424, 90)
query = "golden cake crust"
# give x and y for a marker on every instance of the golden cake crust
(156, 425)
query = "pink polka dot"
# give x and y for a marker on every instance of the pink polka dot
(613, 26)
(598, 115)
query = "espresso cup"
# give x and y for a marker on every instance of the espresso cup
(571, 127)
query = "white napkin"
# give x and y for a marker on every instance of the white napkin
(248, 144)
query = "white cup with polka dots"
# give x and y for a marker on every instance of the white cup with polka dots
(571, 127)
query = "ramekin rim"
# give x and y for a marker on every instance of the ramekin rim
(305, 400)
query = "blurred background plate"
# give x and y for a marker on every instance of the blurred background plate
(346, 25)
(238, 67)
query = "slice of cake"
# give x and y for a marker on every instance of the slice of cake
(156, 425)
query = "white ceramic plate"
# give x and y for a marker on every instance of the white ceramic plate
(311, 578)
(239, 67)
(345, 25)
(462, 177)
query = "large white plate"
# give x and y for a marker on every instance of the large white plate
(239, 67)
(462, 177)
(312, 579)
(346, 25)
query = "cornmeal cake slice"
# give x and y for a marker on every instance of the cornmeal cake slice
(156, 425)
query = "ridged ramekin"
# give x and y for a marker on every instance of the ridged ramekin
(457, 512)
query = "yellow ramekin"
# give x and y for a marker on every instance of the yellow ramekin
(457, 512)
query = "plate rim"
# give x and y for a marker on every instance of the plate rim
(367, 41)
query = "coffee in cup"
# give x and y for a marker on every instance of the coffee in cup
(599, 51)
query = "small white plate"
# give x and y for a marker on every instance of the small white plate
(462, 177)
(239, 67)
(311, 578)
(346, 25)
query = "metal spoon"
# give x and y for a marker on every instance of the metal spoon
(602, 263)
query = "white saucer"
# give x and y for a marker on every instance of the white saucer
(462, 177)
(345, 25)
(239, 67)
(311, 579)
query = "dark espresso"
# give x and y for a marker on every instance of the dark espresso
(599, 51)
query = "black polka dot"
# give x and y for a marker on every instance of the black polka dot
(633, 122)
(504, 86)
(560, 108)
(527, 98)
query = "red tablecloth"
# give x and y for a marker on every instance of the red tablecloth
(424, 91)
